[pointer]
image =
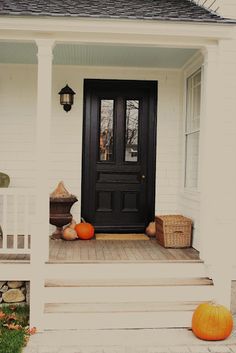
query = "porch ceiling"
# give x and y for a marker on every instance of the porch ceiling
(98, 55)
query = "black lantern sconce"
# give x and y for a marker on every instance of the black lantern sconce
(66, 98)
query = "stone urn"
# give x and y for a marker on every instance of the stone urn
(60, 213)
(60, 204)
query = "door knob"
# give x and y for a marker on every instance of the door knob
(143, 177)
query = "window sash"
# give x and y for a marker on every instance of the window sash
(191, 160)
(192, 130)
(193, 102)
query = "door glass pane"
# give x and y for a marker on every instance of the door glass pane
(106, 130)
(131, 131)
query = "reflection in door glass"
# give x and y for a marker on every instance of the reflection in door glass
(131, 134)
(106, 130)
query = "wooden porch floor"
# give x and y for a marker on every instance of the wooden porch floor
(61, 251)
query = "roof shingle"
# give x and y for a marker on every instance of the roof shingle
(177, 10)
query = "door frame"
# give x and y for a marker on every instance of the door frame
(152, 87)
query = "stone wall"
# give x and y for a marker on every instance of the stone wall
(14, 292)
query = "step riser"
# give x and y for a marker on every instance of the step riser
(124, 271)
(163, 282)
(118, 320)
(127, 294)
(69, 308)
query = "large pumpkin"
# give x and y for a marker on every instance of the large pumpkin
(212, 322)
(84, 230)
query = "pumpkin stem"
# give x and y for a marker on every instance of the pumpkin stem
(83, 220)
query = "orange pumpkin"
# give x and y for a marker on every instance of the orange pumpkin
(212, 322)
(69, 234)
(84, 230)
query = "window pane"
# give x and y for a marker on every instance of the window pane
(193, 102)
(131, 133)
(197, 78)
(106, 130)
(191, 172)
(196, 103)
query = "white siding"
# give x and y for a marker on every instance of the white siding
(18, 97)
(17, 121)
(227, 8)
(169, 137)
(189, 205)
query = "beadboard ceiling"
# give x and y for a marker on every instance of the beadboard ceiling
(98, 55)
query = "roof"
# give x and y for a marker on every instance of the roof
(175, 10)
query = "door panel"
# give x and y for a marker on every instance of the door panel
(118, 185)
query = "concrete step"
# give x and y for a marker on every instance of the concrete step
(123, 271)
(129, 282)
(119, 307)
(129, 294)
(119, 296)
(118, 320)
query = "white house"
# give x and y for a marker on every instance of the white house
(152, 131)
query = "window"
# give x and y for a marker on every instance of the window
(192, 130)
(106, 130)
(131, 131)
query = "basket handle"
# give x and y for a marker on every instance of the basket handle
(178, 232)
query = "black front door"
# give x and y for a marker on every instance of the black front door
(118, 186)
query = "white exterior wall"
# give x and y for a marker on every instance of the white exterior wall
(17, 134)
(189, 199)
(17, 122)
(189, 205)
(227, 8)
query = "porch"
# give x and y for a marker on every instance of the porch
(141, 276)
(102, 251)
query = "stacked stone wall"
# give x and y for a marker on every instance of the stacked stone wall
(14, 292)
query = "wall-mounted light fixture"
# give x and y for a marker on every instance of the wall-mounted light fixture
(66, 98)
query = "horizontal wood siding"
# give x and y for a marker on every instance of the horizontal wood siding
(190, 207)
(17, 132)
(168, 145)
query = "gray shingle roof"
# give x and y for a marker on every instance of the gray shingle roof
(178, 10)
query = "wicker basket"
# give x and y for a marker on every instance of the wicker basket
(174, 231)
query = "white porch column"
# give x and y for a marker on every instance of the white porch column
(44, 94)
(40, 228)
(218, 166)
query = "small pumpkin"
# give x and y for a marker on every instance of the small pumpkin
(69, 234)
(212, 322)
(151, 229)
(84, 230)
(72, 224)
